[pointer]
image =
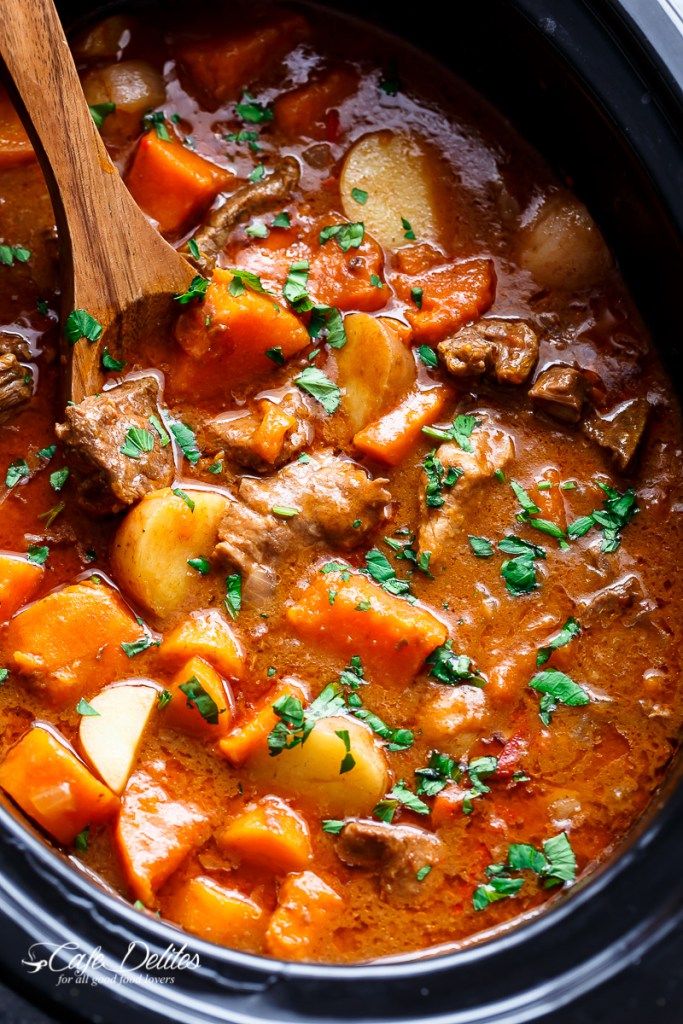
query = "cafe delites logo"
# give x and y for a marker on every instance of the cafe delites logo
(70, 963)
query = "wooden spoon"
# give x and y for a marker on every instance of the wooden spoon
(114, 264)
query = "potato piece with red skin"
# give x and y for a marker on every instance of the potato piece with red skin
(53, 787)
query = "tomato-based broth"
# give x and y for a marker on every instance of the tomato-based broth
(344, 622)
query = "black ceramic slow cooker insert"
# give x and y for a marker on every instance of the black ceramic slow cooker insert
(597, 87)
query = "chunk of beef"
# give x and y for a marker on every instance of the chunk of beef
(505, 349)
(16, 386)
(234, 435)
(624, 599)
(329, 495)
(620, 430)
(395, 852)
(492, 449)
(560, 392)
(94, 433)
(14, 344)
(251, 199)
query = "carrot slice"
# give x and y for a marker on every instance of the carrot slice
(70, 637)
(172, 184)
(391, 438)
(205, 634)
(15, 145)
(270, 835)
(19, 580)
(252, 734)
(302, 111)
(271, 432)
(220, 66)
(154, 834)
(226, 916)
(347, 613)
(191, 715)
(236, 331)
(452, 295)
(302, 916)
(53, 787)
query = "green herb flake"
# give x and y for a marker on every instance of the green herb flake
(284, 511)
(233, 595)
(416, 296)
(164, 699)
(156, 119)
(294, 289)
(327, 323)
(200, 564)
(196, 290)
(198, 698)
(138, 440)
(47, 453)
(570, 630)
(58, 479)
(451, 669)
(316, 384)
(282, 220)
(481, 547)
(557, 688)
(81, 840)
(258, 174)
(359, 195)
(243, 279)
(38, 554)
(186, 440)
(333, 826)
(251, 112)
(347, 236)
(139, 646)
(80, 324)
(257, 229)
(86, 709)
(348, 761)
(100, 111)
(428, 357)
(180, 493)
(423, 872)
(408, 232)
(109, 362)
(16, 472)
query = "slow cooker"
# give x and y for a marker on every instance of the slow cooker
(597, 87)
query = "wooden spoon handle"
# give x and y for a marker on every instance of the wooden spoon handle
(102, 230)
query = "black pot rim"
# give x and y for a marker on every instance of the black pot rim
(583, 939)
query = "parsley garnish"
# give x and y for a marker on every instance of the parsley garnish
(9, 254)
(109, 363)
(58, 479)
(294, 289)
(438, 478)
(617, 511)
(557, 688)
(451, 669)
(416, 296)
(314, 382)
(38, 554)
(156, 119)
(408, 232)
(327, 322)
(428, 357)
(282, 220)
(553, 866)
(276, 355)
(180, 493)
(243, 279)
(519, 572)
(348, 761)
(378, 566)
(81, 840)
(244, 135)
(186, 440)
(481, 547)
(284, 511)
(198, 698)
(333, 826)
(137, 441)
(100, 111)
(252, 112)
(359, 195)
(86, 709)
(196, 290)
(80, 324)
(400, 795)
(138, 646)
(200, 564)
(570, 629)
(233, 594)
(164, 698)
(257, 229)
(347, 236)
(258, 174)
(16, 471)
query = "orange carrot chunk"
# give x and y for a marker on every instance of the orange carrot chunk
(270, 835)
(205, 634)
(302, 111)
(220, 67)
(70, 637)
(302, 916)
(271, 432)
(237, 330)
(392, 438)
(53, 787)
(452, 295)
(19, 580)
(173, 185)
(225, 916)
(190, 711)
(154, 833)
(347, 613)
(15, 145)
(252, 734)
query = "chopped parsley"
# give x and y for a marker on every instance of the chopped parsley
(233, 595)
(553, 866)
(428, 357)
(243, 279)
(327, 322)
(9, 254)
(244, 135)
(200, 564)
(80, 324)
(460, 431)
(47, 453)
(16, 471)
(451, 669)
(438, 477)
(570, 630)
(423, 872)
(284, 511)
(139, 646)
(617, 511)
(519, 572)
(333, 826)
(109, 363)
(348, 761)
(86, 709)
(282, 220)
(38, 554)
(156, 119)
(347, 236)
(296, 722)
(315, 383)
(81, 840)
(399, 796)
(257, 229)
(4, 675)
(557, 688)
(186, 440)
(359, 195)
(58, 479)
(276, 355)
(481, 547)
(378, 566)
(194, 249)
(100, 111)
(251, 112)
(416, 296)
(294, 289)
(164, 698)
(408, 232)
(198, 698)
(138, 440)
(258, 174)
(156, 423)
(180, 493)
(196, 290)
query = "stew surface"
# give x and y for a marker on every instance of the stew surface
(345, 622)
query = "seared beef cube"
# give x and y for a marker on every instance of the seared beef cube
(506, 349)
(16, 386)
(395, 852)
(560, 392)
(625, 600)
(317, 501)
(620, 430)
(113, 470)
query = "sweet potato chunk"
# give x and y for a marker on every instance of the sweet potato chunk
(71, 636)
(452, 294)
(205, 634)
(269, 438)
(189, 711)
(252, 734)
(224, 916)
(46, 779)
(173, 185)
(347, 613)
(155, 833)
(391, 438)
(270, 835)
(302, 916)
(19, 580)
(15, 146)
(302, 111)
(235, 331)
(220, 66)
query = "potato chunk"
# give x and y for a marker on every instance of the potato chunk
(111, 739)
(134, 87)
(563, 247)
(311, 771)
(375, 369)
(401, 180)
(155, 540)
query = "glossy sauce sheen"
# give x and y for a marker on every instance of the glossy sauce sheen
(593, 770)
